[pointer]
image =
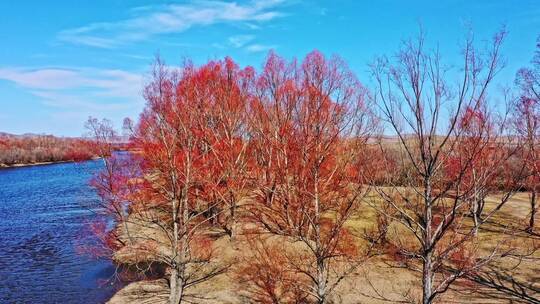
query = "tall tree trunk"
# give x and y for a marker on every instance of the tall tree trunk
(427, 263)
(175, 287)
(180, 212)
(321, 282)
(475, 205)
(533, 211)
(232, 220)
(321, 278)
(475, 217)
(175, 284)
(427, 278)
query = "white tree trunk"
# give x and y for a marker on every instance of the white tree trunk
(427, 264)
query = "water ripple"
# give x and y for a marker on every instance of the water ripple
(42, 211)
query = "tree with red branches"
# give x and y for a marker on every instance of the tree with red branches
(307, 124)
(185, 176)
(480, 159)
(226, 93)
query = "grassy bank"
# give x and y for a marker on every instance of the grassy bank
(377, 280)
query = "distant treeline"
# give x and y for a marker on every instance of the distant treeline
(31, 149)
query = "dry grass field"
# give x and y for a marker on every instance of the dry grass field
(376, 280)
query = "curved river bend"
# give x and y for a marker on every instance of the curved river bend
(43, 216)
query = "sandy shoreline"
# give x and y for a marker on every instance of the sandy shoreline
(4, 166)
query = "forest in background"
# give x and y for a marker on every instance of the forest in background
(32, 149)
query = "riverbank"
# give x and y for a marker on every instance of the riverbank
(4, 166)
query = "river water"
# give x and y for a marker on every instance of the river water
(44, 216)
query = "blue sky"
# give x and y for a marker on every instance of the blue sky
(61, 61)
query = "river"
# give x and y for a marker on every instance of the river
(44, 215)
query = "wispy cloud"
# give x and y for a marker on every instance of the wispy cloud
(66, 101)
(78, 88)
(117, 83)
(240, 40)
(175, 18)
(47, 78)
(256, 48)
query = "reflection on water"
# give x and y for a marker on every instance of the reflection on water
(43, 210)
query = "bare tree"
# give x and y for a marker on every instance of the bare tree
(446, 136)
(529, 78)
(527, 126)
(108, 181)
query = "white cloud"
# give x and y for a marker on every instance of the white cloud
(82, 89)
(106, 82)
(240, 40)
(42, 78)
(174, 18)
(256, 48)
